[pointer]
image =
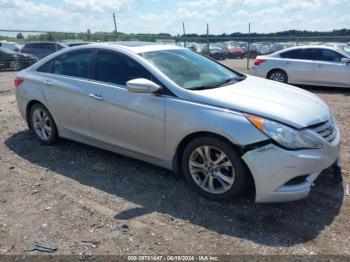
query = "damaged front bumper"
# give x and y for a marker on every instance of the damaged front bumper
(282, 175)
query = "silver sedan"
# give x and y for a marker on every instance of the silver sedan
(306, 65)
(185, 112)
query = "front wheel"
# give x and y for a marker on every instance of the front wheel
(213, 168)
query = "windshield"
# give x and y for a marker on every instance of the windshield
(344, 52)
(190, 70)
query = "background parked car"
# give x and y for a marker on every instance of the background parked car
(74, 43)
(216, 51)
(42, 49)
(234, 50)
(308, 65)
(10, 45)
(11, 60)
(343, 47)
(257, 49)
(194, 47)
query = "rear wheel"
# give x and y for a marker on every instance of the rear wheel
(213, 168)
(43, 125)
(278, 75)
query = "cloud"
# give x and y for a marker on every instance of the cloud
(97, 5)
(152, 16)
(259, 2)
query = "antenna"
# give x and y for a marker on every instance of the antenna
(115, 26)
(184, 31)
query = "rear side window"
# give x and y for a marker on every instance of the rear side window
(29, 46)
(116, 68)
(46, 68)
(50, 46)
(75, 64)
(37, 45)
(303, 54)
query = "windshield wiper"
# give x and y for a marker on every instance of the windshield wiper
(219, 84)
(202, 87)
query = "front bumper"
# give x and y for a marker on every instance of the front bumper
(273, 167)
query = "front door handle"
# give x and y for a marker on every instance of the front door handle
(48, 82)
(95, 96)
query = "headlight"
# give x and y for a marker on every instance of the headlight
(285, 136)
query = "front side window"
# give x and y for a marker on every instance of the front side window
(73, 64)
(190, 70)
(116, 68)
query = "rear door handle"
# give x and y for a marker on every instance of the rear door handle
(95, 96)
(48, 82)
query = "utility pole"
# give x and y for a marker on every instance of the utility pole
(248, 46)
(208, 38)
(115, 26)
(184, 32)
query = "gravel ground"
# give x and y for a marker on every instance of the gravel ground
(88, 201)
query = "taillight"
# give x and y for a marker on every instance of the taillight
(259, 61)
(18, 81)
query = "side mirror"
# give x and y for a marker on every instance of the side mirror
(345, 60)
(142, 85)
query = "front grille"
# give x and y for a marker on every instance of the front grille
(326, 130)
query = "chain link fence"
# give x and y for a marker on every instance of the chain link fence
(20, 49)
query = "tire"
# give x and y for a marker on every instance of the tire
(278, 75)
(42, 124)
(219, 182)
(15, 65)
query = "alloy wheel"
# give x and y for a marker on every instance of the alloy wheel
(277, 76)
(211, 169)
(42, 124)
(14, 65)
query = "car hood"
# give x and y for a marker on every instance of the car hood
(273, 100)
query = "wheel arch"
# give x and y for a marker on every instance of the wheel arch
(176, 161)
(277, 69)
(29, 107)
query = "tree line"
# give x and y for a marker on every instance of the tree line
(343, 34)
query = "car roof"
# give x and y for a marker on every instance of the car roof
(41, 42)
(135, 47)
(309, 47)
(72, 42)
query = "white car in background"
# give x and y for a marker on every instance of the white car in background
(13, 46)
(341, 46)
(306, 65)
